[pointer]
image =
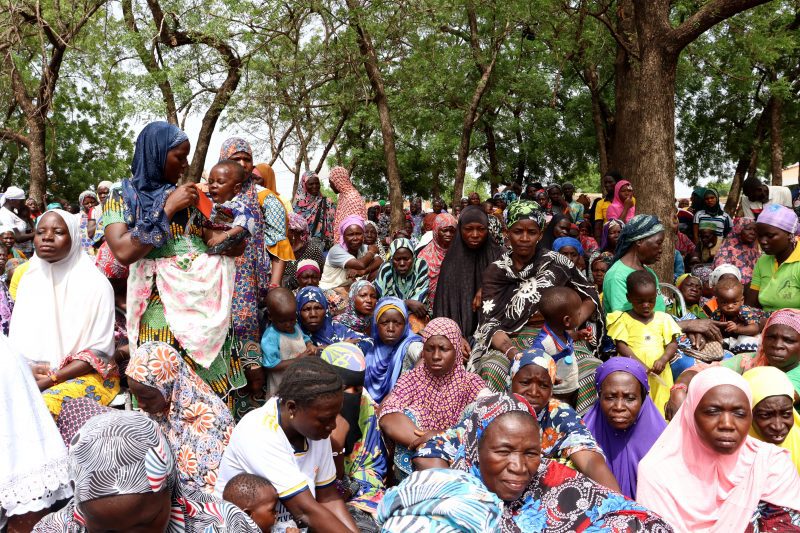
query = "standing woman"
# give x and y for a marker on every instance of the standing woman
(776, 276)
(624, 205)
(444, 231)
(600, 206)
(318, 211)
(88, 201)
(458, 293)
(712, 214)
(63, 319)
(350, 201)
(740, 248)
(176, 293)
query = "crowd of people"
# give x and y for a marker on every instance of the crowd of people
(218, 357)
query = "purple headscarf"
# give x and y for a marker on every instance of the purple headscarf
(352, 220)
(624, 449)
(779, 217)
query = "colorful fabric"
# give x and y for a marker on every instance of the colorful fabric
(350, 201)
(330, 332)
(684, 244)
(765, 382)
(276, 222)
(412, 286)
(534, 356)
(638, 228)
(94, 386)
(440, 500)
(437, 401)
(146, 192)
(75, 414)
(140, 462)
(318, 211)
(234, 145)
(561, 242)
(352, 318)
(385, 362)
(720, 224)
(6, 308)
(557, 498)
(351, 220)
(615, 289)
(510, 296)
(780, 217)
(434, 253)
(617, 206)
(697, 489)
(778, 286)
(197, 424)
(525, 210)
(782, 317)
(625, 448)
(108, 264)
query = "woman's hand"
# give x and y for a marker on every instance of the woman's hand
(629, 202)
(181, 198)
(699, 330)
(476, 300)
(417, 308)
(422, 438)
(236, 250)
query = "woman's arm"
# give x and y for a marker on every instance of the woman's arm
(588, 308)
(502, 342)
(306, 509)
(329, 498)
(71, 371)
(363, 262)
(399, 428)
(751, 298)
(592, 465)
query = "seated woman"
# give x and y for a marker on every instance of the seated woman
(303, 247)
(396, 349)
(625, 421)
(458, 294)
(705, 473)
(431, 397)
(740, 248)
(315, 321)
(691, 288)
(774, 418)
(196, 422)
(406, 277)
(63, 319)
(511, 293)
(287, 441)
(776, 276)
(361, 305)
(349, 258)
(564, 436)
(610, 236)
(557, 227)
(499, 443)
(780, 347)
(361, 470)
(134, 485)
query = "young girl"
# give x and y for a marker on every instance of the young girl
(647, 335)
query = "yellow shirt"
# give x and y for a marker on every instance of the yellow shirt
(647, 341)
(15, 279)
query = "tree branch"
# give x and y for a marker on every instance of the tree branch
(15, 137)
(707, 16)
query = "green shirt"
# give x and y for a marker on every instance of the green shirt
(615, 292)
(778, 286)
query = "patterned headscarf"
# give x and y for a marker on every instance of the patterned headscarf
(597, 255)
(350, 201)
(434, 253)
(146, 192)
(352, 220)
(782, 317)
(447, 328)
(348, 360)
(267, 174)
(735, 252)
(86, 194)
(525, 210)
(234, 145)
(614, 222)
(413, 285)
(352, 318)
(307, 264)
(638, 228)
(198, 424)
(534, 356)
(779, 217)
(300, 225)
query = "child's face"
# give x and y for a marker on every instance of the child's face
(284, 320)
(264, 513)
(222, 186)
(692, 289)
(308, 278)
(730, 301)
(643, 300)
(255, 380)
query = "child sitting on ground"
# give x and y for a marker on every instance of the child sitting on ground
(230, 214)
(283, 341)
(257, 497)
(740, 324)
(646, 335)
(560, 307)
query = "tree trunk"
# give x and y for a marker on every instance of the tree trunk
(370, 60)
(37, 152)
(597, 119)
(491, 151)
(521, 157)
(776, 140)
(732, 203)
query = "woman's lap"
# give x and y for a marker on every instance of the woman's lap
(92, 386)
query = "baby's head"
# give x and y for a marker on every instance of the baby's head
(642, 293)
(730, 296)
(225, 181)
(560, 307)
(282, 308)
(255, 496)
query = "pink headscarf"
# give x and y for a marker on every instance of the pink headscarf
(352, 220)
(781, 317)
(618, 206)
(696, 489)
(349, 202)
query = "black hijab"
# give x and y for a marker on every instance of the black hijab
(461, 274)
(549, 232)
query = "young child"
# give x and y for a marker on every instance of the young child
(646, 335)
(283, 341)
(231, 213)
(560, 307)
(740, 324)
(257, 497)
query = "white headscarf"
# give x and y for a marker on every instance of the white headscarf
(65, 307)
(13, 193)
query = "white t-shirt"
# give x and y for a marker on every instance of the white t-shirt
(259, 446)
(335, 274)
(9, 218)
(777, 195)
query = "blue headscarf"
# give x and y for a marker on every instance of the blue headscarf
(561, 242)
(385, 362)
(146, 192)
(330, 332)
